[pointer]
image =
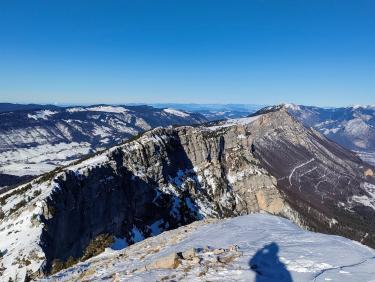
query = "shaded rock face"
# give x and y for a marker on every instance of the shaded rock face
(172, 176)
(167, 178)
(106, 202)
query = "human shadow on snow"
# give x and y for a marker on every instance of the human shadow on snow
(267, 266)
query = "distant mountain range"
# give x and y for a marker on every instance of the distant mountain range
(351, 127)
(210, 111)
(215, 111)
(35, 139)
(170, 177)
(10, 107)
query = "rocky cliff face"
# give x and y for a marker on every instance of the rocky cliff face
(172, 176)
(329, 186)
(167, 178)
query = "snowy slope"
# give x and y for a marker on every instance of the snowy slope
(351, 127)
(36, 141)
(214, 111)
(170, 177)
(226, 251)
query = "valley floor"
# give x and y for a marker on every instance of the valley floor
(257, 247)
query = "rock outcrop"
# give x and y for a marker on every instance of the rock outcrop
(249, 248)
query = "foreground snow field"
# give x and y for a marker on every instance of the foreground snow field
(257, 247)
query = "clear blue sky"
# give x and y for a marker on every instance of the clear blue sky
(319, 52)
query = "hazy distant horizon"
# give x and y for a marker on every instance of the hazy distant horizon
(198, 105)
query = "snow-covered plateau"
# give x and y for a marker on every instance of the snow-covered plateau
(256, 247)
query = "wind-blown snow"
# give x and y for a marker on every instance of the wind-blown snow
(307, 256)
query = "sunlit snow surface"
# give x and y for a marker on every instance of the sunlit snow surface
(232, 122)
(307, 256)
(41, 158)
(176, 112)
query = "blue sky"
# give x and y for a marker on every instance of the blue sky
(317, 52)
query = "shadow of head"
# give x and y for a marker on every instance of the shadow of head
(267, 266)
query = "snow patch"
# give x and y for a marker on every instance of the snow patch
(44, 114)
(232, 122)
(176, 112)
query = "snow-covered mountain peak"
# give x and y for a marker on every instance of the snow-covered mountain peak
(176, 112)
(234, 122)
(43, 114)
(356, 107)
(290, 106)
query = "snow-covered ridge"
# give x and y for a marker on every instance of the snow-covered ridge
(293, 107)
(272, 246)
(36, 141)
(234, 122)
(44, 114)
(107, 109)
(176, 112)
(351, 127)
(355, 107)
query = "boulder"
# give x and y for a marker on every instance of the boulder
(167, 262)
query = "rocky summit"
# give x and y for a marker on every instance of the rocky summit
(170, 177)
